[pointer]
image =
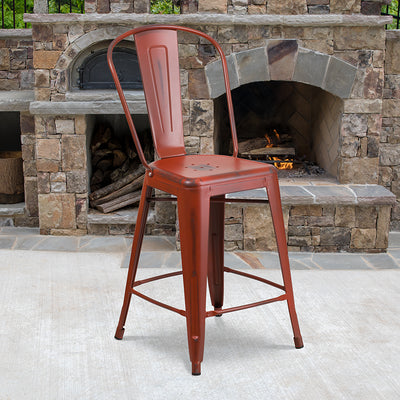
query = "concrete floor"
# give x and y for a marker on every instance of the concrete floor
(59, 310)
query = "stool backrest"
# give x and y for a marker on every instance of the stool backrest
(157, 50)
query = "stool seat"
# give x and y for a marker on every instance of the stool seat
(201, 170)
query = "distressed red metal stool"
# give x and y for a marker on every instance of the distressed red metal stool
(199, 184)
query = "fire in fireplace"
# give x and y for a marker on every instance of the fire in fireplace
(288, 124)
(273, 147)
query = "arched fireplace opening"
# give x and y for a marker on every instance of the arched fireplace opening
(293, 125)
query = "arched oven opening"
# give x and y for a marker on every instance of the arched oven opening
(91, 72)
(95, 74)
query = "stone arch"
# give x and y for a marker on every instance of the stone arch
(283, 60)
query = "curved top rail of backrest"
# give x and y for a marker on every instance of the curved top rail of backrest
(157, 49)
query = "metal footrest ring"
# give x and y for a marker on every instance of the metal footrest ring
(212, 313)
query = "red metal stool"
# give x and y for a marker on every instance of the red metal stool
(199, 184)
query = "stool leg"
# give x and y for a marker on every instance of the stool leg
(135, 254)
(193, 212)
(277, 218)
(216, 254)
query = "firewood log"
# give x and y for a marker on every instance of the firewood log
(99, 154)
(97, 177)
(117, 185)
(129, 188)
(119, 158)
(101, 136)
(246, 145)
(120, 202)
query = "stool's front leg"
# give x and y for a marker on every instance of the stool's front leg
(194, 217)
(277, 219)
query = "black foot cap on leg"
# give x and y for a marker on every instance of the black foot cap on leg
(216, 309)
(119, 334)
(298, 342)
(196, 368)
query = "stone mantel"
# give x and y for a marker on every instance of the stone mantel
(211, 19)
(85, 107)
(82, 102)
(15, 33)
(16, 100)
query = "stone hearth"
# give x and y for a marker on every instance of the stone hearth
(333, 64)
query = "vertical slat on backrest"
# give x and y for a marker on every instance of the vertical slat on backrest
(159, 65)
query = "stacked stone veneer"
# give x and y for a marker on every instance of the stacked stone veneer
(317, 218)
(349, 51)
(16, 92)
(255, 7)
(16, 61)
(389, 148)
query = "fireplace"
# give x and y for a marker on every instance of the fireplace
(293, 125)
(317, 81)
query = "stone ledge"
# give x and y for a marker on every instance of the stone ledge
(85, 107)
(93, 95)
(393, 34)
(16, 100)
(119, 217)
(15, 33)
(212, 19)
(12, 209)
(326, 194)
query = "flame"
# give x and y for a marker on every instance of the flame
(283, 164)
(271, 140)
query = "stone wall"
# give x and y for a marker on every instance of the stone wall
(16, 87)
(117, 6)
(316, 228)
(55, 137)
(241, 7)
(338, 228)
(390, 139)
(16, 60)
(323, 218)
(62, 176)
(28, 139)
(358, 45)
(288, 7)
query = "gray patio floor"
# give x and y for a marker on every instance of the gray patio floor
(60, 300)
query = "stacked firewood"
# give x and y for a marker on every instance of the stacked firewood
(117, 176)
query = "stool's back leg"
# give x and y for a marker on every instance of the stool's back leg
(135, 254)
(216, 254)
